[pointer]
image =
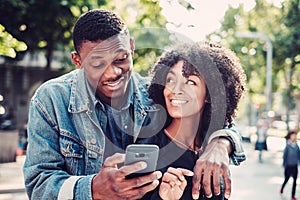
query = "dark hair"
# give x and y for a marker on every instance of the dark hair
(96, 25)
(228, 64)
(289, 134)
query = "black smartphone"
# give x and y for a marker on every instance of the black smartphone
(142, 152)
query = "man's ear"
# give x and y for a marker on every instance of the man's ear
(76, 59)
(132, 46)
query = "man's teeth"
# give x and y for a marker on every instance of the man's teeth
(115, 82)
(175, 101)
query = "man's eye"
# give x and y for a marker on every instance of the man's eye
(123, 58)
(190, 82)
(98, 65)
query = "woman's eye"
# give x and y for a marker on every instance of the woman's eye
(170, 80)
(190, 82)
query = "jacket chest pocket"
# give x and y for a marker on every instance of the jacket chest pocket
(73, 152)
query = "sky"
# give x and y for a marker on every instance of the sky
(204, 19)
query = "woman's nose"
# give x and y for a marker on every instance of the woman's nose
(177, 89)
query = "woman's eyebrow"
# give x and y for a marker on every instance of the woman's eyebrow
(172, 72)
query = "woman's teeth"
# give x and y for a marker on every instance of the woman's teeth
(176, 101)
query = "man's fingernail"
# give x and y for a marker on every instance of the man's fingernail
(195, 196)
(143, 165)
(155, 182)
(158, 175)
(209, 196)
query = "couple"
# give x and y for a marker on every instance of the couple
(78, 121)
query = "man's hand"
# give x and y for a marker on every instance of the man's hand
(173, 183)
(110, 182)
(213, 164)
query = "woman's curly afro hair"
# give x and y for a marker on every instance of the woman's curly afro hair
(228, 64)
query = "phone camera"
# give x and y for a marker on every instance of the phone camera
(139, 155)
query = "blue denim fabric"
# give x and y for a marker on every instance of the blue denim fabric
(65, 135)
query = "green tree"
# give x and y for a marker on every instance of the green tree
(43, 25)
(147, 27)
(9, 46)
(281, 25)
(47, 25)
(288, 53)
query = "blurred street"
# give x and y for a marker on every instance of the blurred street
(251, 180)
(261, 181)
(12, 181)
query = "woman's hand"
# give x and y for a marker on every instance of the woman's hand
(213, 164)
(173, 183)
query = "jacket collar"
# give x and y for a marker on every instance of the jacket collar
(81, 100)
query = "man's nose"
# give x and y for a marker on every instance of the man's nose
(117, 70)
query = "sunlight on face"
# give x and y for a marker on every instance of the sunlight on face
(185, 97)
(108, 65)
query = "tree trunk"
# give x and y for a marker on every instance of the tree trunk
(49, 55)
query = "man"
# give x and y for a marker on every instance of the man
(78, 121)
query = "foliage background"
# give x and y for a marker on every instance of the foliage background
(46, 26)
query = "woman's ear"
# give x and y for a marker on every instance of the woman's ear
(76, 59)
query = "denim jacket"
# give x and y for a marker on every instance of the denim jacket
(66, 142)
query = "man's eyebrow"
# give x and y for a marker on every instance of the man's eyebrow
(121, 50)
(96, 57)
(99, 56)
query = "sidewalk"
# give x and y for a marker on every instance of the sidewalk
(12, 181)
(261, 181)
(251, 180)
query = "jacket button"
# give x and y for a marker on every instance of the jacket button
(93, 141)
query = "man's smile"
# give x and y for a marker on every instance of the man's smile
(113, 83)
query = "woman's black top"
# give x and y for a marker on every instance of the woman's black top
(170, 155)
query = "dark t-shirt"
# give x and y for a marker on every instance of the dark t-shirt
(170, 155)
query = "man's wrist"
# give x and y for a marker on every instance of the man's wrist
(226, 142)
(237, 153)
(226, 136)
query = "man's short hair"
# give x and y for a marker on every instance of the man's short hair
(97, 25)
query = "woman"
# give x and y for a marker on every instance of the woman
(291, 158)
(179, 84)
